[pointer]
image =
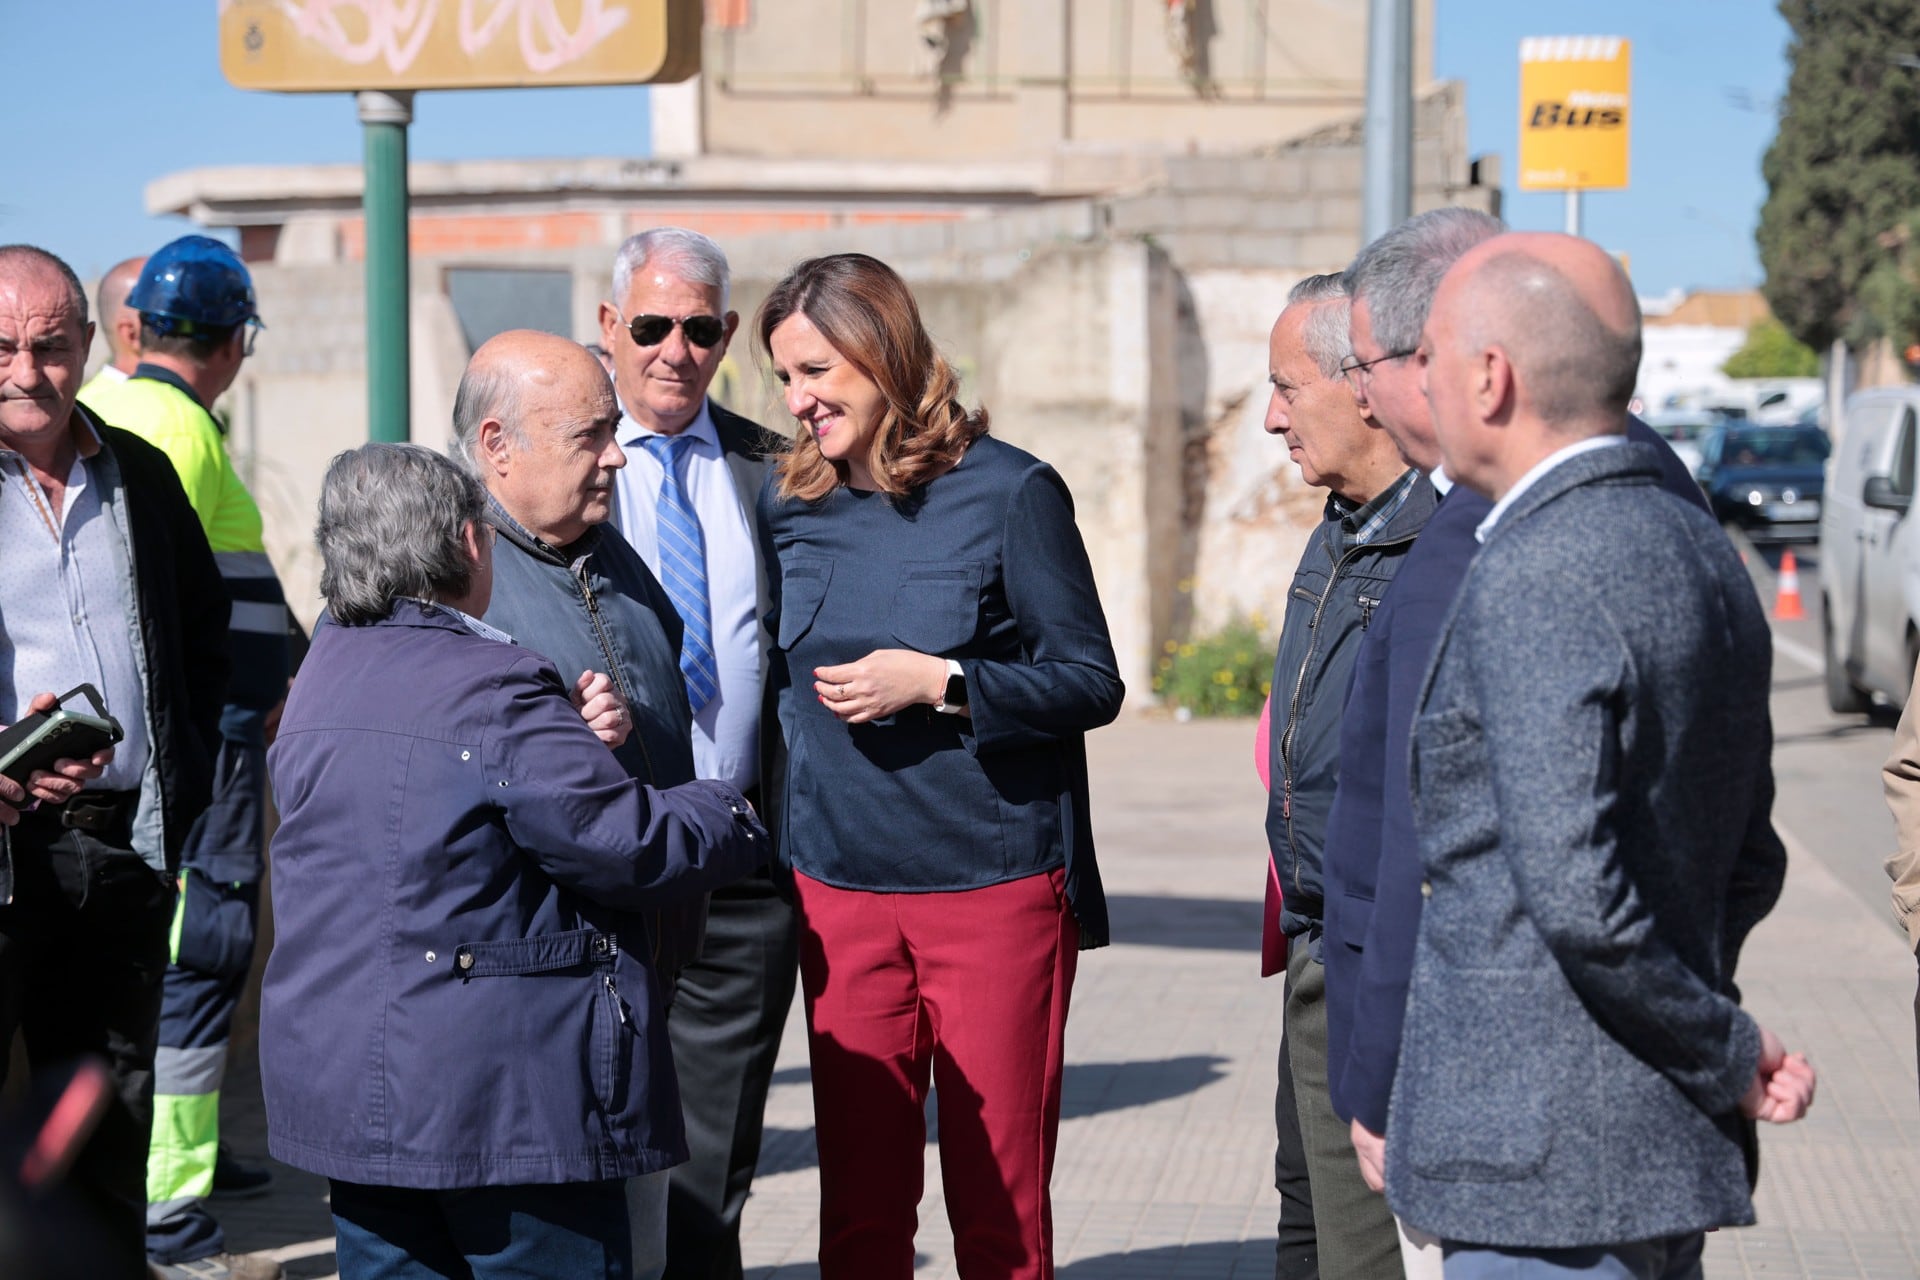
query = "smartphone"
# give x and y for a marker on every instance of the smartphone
(36, 741)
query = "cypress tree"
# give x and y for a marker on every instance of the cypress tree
(1843, 170)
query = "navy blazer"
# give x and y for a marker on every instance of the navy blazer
(1372, 856)
(985, 566)
(1591, 783)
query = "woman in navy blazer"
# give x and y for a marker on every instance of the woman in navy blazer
(460, 1026)
(939, 653)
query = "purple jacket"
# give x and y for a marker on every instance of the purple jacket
(459, 993)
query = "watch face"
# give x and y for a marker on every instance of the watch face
(956, 694)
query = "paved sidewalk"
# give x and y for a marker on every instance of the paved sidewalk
(1165, 1164)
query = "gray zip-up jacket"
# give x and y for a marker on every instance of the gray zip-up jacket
(1328, 609)
(595, 606)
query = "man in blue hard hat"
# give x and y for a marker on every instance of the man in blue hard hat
(198, 318)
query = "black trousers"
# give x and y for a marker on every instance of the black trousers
(83, 947)
(728, 1011)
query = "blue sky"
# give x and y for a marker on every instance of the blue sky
(110, 94)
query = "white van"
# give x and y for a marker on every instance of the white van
(1870, 552)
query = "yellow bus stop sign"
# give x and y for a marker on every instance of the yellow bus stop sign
(1574, 118)
(390, 45)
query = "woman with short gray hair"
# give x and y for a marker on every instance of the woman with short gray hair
(393, 520)
(459, 1027)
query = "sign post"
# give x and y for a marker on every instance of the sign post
(388, 49)
(384, 118)
(1574, 115)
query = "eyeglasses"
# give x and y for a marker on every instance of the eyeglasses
(254, 325)
(701, 331)
(1356, 369)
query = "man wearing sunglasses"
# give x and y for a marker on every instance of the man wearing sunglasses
(685, 500)
(198, 320)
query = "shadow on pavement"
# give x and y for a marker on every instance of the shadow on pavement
(1201, 924)
(1878, 721)
(786, 1271)
(1214, 1260)
(1091, 1088)
(1088, 1089)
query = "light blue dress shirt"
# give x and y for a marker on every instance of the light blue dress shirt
(67, 608)
(726, 732)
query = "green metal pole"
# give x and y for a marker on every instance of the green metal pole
(384, 118)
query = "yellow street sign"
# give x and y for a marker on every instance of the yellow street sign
(1574, 93)
(335, 45)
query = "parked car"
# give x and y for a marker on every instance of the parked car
(1870, 552)
(1685, 429)
(1765, 480)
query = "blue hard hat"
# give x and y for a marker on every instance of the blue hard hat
(194, 285)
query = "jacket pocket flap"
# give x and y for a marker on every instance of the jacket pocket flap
(936, 607)
(803, 586)
(545, 953)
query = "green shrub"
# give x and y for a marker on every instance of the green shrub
(1223, 674)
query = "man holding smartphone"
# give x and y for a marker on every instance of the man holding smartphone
(110, 582)
(197, 317)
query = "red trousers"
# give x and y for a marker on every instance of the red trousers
(970, 989)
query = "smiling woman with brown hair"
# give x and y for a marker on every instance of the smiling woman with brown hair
(934, 590)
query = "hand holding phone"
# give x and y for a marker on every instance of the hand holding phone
(52, 733)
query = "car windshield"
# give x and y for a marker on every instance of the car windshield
(1782, 447)
(1677, 429)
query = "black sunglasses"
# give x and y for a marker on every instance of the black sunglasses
(701, 331)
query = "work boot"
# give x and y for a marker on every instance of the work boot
(233, 1180)
(222, 1266)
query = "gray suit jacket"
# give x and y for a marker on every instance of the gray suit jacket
(1592, 784)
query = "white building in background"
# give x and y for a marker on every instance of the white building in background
(1686, 339)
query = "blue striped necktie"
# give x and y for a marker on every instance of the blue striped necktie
(683, 570)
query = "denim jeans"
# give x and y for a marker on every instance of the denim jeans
(557, 1232)
(1666, 1258)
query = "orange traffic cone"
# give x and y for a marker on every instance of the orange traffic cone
(1786, 604)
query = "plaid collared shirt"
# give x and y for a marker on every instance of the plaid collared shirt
(1355, 526)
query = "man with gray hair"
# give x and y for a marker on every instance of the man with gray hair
(1374, 877)
(535, 419)
(1376, 506)
(687, 501)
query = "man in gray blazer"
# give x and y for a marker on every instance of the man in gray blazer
(686, 501)
(1592, 783)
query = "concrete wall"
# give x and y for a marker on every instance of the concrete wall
(1122, 338)
(1030, 78)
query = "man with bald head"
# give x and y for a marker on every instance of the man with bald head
(108, 581)
(119, 324)
(535, 418)
(1373, 871)
(1592, 783)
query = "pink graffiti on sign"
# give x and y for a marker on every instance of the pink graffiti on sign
(360, 31)
(390, 29)
(545, 42)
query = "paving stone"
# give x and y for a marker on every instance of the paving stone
(1165, 1162)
